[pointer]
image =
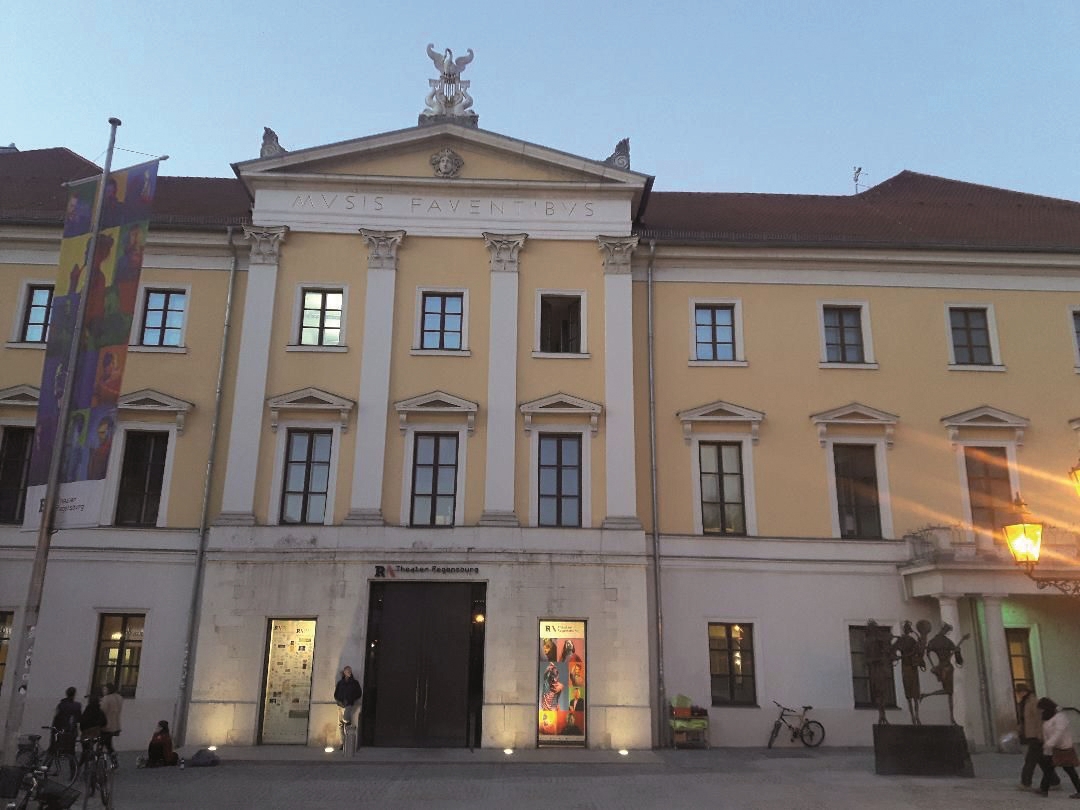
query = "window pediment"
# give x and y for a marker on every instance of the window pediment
(149, 399)
(24, 396)
(986, 416)
(436, 402)
(855, 413)
(723, 413)
(310, 399)
(562, 404)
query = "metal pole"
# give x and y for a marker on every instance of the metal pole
(31, 611)
(661, 688)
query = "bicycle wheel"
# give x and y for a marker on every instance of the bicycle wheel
(62, 768)
(26, 758)
(104, 782)
(812, 733)
(774, 733)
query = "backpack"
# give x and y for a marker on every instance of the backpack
(204, 758)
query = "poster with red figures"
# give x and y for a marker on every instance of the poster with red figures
(561, 683)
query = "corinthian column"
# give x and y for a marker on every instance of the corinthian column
(365, 501)
(249, 393)
(502, 380)
(619, 383)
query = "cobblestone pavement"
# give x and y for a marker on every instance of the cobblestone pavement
(720, 778)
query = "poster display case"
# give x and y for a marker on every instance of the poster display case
(561, 683)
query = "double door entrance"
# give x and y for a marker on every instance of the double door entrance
(423, 676)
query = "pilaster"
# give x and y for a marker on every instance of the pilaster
(238, 497)
(1002, 700)
(373, 400)
(949, 608)
(502, 380)
(619, 383)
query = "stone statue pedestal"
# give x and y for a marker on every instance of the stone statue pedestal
(921, 751)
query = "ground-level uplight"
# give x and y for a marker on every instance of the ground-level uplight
(623, 752)
(508, 751)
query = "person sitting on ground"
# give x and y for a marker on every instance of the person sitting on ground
(160, 751)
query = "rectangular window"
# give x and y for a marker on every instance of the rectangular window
(857, 491)
(560, 480)
(7, 620)
(141, 477)
(1018, 640)
(970, 336)
(723, 509)
(714, 332)
(163, 318)
(36, 315)
(560, 324)
(860, 671)
(15, 446)
(119, 650)
(307, 476)
(731, 664)
(441, 328)
(320, 321)
(843, 334)
(989, 489)
(1076, 331)
(434, 484)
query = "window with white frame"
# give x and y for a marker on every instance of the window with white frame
(142, 477)
(560, 322)
(307, 471)
(119, 651)
(7, 626)
(16, 443)
(434, 479)
(442, 321)
(973, 340)
(716, 333)
(731, 664)
(321, 317)
(859, 643)
(845, 334)
(163, 316)
(559, 479)
(1074, 320)
(989, 487)
(36, 313)
(857, 506)
(723, 501)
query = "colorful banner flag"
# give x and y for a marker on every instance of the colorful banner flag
(561, 683)
(109, 280)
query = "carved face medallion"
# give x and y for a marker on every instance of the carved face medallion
(447, 163)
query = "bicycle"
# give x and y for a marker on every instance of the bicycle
(811, 732)
(97, 769)
(59, 763)
(48, 794)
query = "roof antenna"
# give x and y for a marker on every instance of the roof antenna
(857, 172)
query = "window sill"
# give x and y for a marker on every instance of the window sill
(440, 352)
(158, 349)
(329, 349)
(827, 364)
(21, 344)
(727, 363)
(561, 355)
(987, 367)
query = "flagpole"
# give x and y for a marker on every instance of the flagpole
(31, 611)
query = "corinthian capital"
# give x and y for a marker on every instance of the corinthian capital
(265, 243)
(382, 248)
(504, 248)
(617, 252)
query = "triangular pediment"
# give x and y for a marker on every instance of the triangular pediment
(986, 417)
(151, 400)
(565, 404)
(310, 399)
(20, 396)
(437, 403)
(723, 413)
(857, 414)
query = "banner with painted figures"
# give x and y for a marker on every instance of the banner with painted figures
(561, 682)
(110, 282)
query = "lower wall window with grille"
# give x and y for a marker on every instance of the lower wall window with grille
(860, 671)
(7, 620)
(731, 664)
(119, 651)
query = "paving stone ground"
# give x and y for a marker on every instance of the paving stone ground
(583, 780)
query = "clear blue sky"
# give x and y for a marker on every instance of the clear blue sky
(728, 95)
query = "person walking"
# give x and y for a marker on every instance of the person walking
(1029, 729)
(347, 695)
(1058, 747)
(66, 720)
(112, 704)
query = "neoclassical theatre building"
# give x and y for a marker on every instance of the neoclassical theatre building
(533, 447)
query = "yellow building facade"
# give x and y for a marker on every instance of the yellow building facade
(532, 447)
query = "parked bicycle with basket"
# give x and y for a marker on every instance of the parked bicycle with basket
(41, 793)
(97, 772)
(58, 760)
(811, 732)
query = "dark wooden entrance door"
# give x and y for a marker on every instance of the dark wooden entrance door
(419, 674)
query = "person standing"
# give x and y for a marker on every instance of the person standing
(1058, 747)
(1029, 725)
(66, 720)
(347, 695)
(112, 704)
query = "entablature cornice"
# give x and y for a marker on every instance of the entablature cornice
(310, 399)
(20, 396)
(986, 417)
(439, 403)
(720, 413)
(858, 415)
(151, 400)
(562, 404)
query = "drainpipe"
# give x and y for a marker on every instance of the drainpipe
(194, 613)
(657, 592)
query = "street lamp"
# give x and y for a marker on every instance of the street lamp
(1023, 536)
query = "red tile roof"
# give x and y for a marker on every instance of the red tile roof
(910, 210)
(32, 192)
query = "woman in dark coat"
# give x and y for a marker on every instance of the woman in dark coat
(160, 751)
